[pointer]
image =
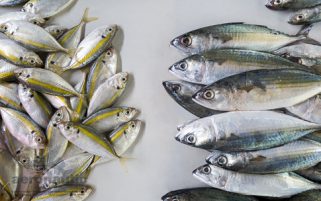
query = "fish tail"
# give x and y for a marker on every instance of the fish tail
(57, 69)
(86, 18)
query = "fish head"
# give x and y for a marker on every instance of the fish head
(31, 59)
(37, 139)
(119, 81)
(301, 17)
(226, 160)
(68, 129)
(29, 159)
(22, 74)
(191, 43)
(6, 28)
(191, 69)
(110, 56)
(181, 90)
(82, 193)
(29, 7)
(133, 127)
(126, 114)
(278, 4)
(56, 31)
(196, 134)
(61, 115)
(37, 20)
(211, 174)
(25, 92)
(214, 96)
(108, 33)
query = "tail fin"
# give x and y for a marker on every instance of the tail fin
(86, 19)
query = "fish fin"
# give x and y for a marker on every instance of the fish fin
(219, 61)
(225, 39)
(86, 18)
(233, 136)
(258, 158)
(247, 88)
(305, 30)
(57, 69)
(71, 52)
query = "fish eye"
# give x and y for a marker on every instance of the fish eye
(58, 114)
(124, 79)
(20, 58)
(57, 31)
(18, 152)
(54, 125)
(187, 41)
(208, 94)
(206, 169)
(68, 127)
(127, 112)
(277, 2)
(176, 88)
(300, 17)
(27, 76)
(183, 66)
(103, 36)
(133, 125)
(32, 61)
(222, 160)
(109, 53)
(191, 139)
(82, 192)
(30, 5)
(24, 160)
(110, 29)
(52, 62)
(38, 139)
(31, 96)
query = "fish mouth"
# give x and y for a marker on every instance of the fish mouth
(209, 160)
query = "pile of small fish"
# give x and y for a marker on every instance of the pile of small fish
(52, 132)
(306, 11)
(259, 113)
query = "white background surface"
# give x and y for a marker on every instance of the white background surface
(160, 163)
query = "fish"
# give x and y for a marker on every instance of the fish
(9, 96)
(66, 170)
(9, 173)
(47, 9)
(87, 139)
(23, 128)
(79, 104)
(27, 157)
(45, 81)
(71, 193)
(122, 139)
(7, 70)
(57, 101)
(11, 2)
(17, 54)
(215, 65)
(57, 143)
(308, 110)
(4, 195)
(103, 68)
(205, 194)
(182, 93)
(57, 61)
(56, 30)
(108, 92)
(315, 136)
(291, 4)
(237, 36)
(93, 45)
(297, 155)
(244, 131)
(31, 36)
(108, 119)
(313, 173)
(306, 16)
(260, 90)
(18, 15)
(35, 105)
(313, 195)
(282, 185)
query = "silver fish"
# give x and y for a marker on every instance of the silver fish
(9, 96)
(32, 18)
(29, 158)
(103, 68)
(87, 139)
(66, 170)
(11, 2)
(56, 30)
(70, 193)
(18, 55)
(23, 128)
(244, 131)
(235, 35)
(218, 64)
(35, 105)
(110, 118)
(260, 90)
(271, 185)
(57, 143)
(45, 8)
(291, 4)
(294, 156)
(59, 60)
(31, 36)
(182, 93)
(309, 110)
(108, 92)
(92, 46)
(45, 81)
